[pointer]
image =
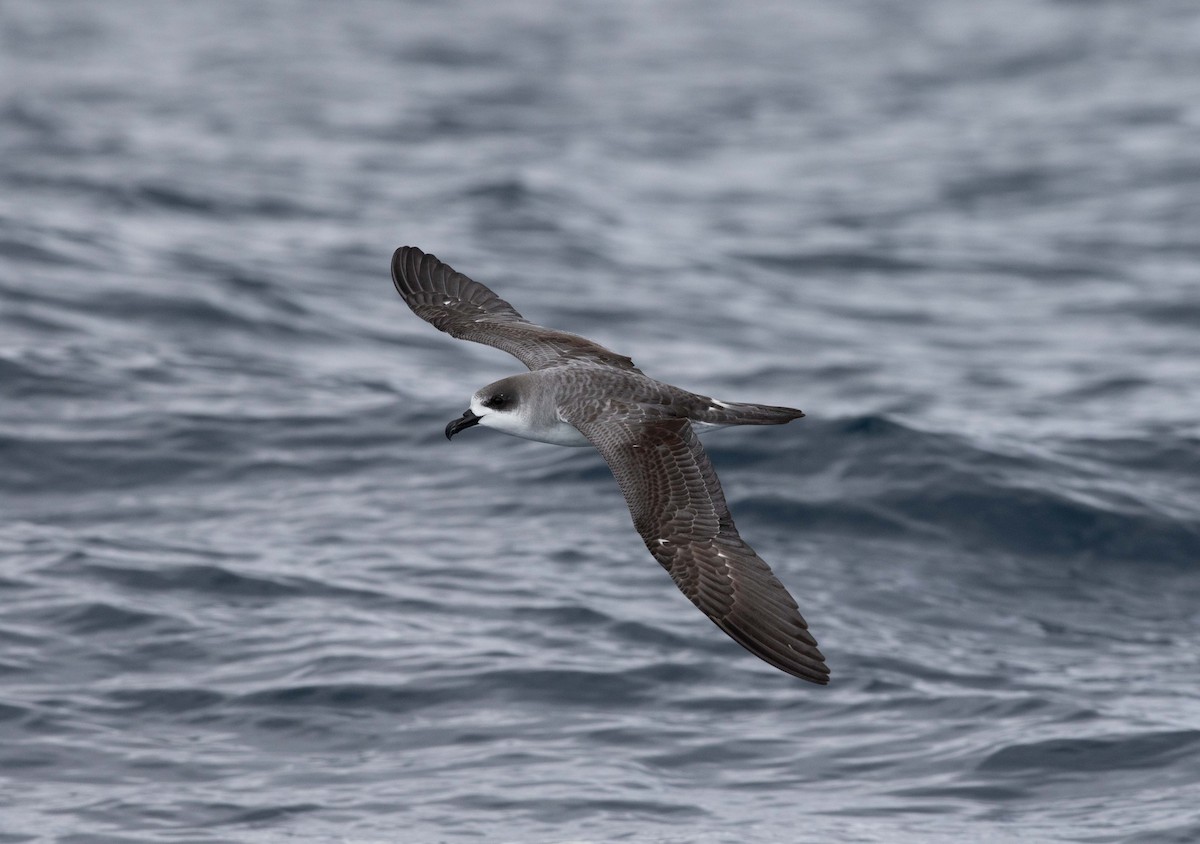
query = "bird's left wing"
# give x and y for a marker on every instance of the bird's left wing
(680, 511)
(466, 309)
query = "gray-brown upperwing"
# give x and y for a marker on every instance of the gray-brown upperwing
(465, 309)
(680, 511)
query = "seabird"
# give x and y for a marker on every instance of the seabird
(579, 393)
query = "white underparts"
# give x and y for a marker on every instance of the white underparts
(516, 424)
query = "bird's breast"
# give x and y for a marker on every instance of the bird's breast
(561, 433)
(545, 430)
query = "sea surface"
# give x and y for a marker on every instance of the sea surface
(249, 593)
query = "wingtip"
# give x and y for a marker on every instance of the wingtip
(801, 660)
(399, 259)
(813, 673)
(403, 252)
(398, 268)
(407, 264)
(805, 670)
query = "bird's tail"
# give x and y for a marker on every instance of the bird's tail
(737, 413)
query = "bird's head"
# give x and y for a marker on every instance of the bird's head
(494, 406)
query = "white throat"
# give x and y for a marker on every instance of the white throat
(520, 424)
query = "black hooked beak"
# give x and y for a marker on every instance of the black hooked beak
(461, 424)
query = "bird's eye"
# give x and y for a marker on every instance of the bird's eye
(496, 401)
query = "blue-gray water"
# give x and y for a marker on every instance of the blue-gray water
(248, 592)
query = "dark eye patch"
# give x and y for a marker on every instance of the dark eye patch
(496, 401)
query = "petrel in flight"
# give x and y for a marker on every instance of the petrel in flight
(579, 393)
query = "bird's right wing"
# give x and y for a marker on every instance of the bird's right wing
(679, 509)
(451, 302)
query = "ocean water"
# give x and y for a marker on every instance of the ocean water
(248, 592)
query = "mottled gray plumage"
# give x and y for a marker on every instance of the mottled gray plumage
(578, 392)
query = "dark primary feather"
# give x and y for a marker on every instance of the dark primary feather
(451, 302)
(680, 511)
